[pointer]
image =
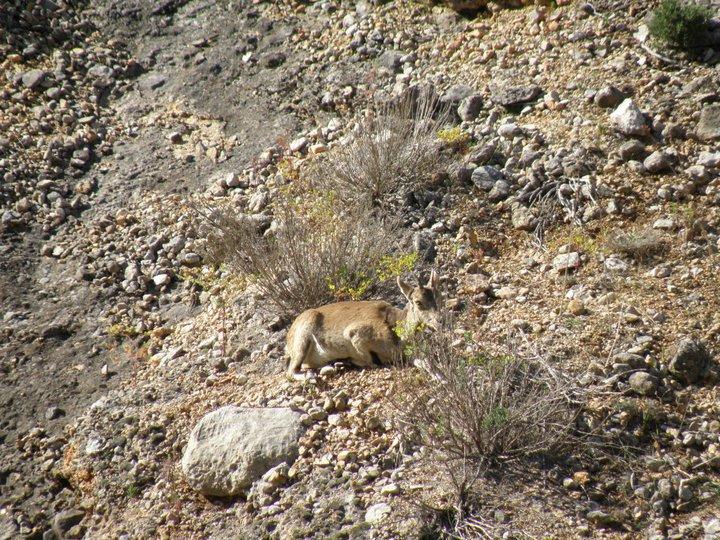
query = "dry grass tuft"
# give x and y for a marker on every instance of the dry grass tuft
(490, 410)
(394, 150)
(314, 252)
(640, 244)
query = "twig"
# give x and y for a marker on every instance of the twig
(659, 56)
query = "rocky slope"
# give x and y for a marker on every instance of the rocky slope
(116, 340)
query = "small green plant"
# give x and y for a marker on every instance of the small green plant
(347, 285)
(679, 24)
(120, 331)
(392, 266)
(132, 491)
(454, 137)
(496, 418)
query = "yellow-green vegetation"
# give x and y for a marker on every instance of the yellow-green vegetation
(346, 285)
(455, 138)
(495, 418)
(120, 331)
(288, 169)
(392, 266)
(578, 239)
(686, 213)
(215, 281)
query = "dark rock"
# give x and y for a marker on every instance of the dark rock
(486, 176)
(273, 59)
(608, 97)
(390, 59)
(690, 361)
(633, 149)
(516, 95)
(470, 107)
(66, 520)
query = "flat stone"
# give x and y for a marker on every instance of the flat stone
(232, 447)
(377, 513)
(510, 97)
(643, 383)
(34, 78)
(708, 128)
(152, 82)
(566, 261)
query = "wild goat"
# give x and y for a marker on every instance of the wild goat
(363, 332)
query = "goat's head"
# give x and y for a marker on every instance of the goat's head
(425, 303)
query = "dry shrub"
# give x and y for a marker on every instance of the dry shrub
(489, 410)
(314, 253)
(394, 150)
(639, 245)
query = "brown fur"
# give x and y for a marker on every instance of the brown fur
(362, 332)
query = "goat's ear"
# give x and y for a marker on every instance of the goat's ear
(434, 281)
(405, 288)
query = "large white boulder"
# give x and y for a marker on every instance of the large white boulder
(232, 447)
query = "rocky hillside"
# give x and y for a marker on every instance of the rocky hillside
(573, 216)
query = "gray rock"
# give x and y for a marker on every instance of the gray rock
(232, 447)
(711, 528)
(152, 82)
(500, 191)
(643, 383)
(510, 97)
(628, 119)
(633, 149)
(424, 244)
(522, 218)
(34, 78)
(470, 107)
(377, 512)
(566, 261)
(485, 177)
(8, 529)
(658, 162)
(390, 59)
(456, 94)
(708, 128)
(690, 361)
(608, 97)
(66, 520)
(709, 159)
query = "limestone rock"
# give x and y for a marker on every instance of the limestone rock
(628, 119)
(232, 447)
